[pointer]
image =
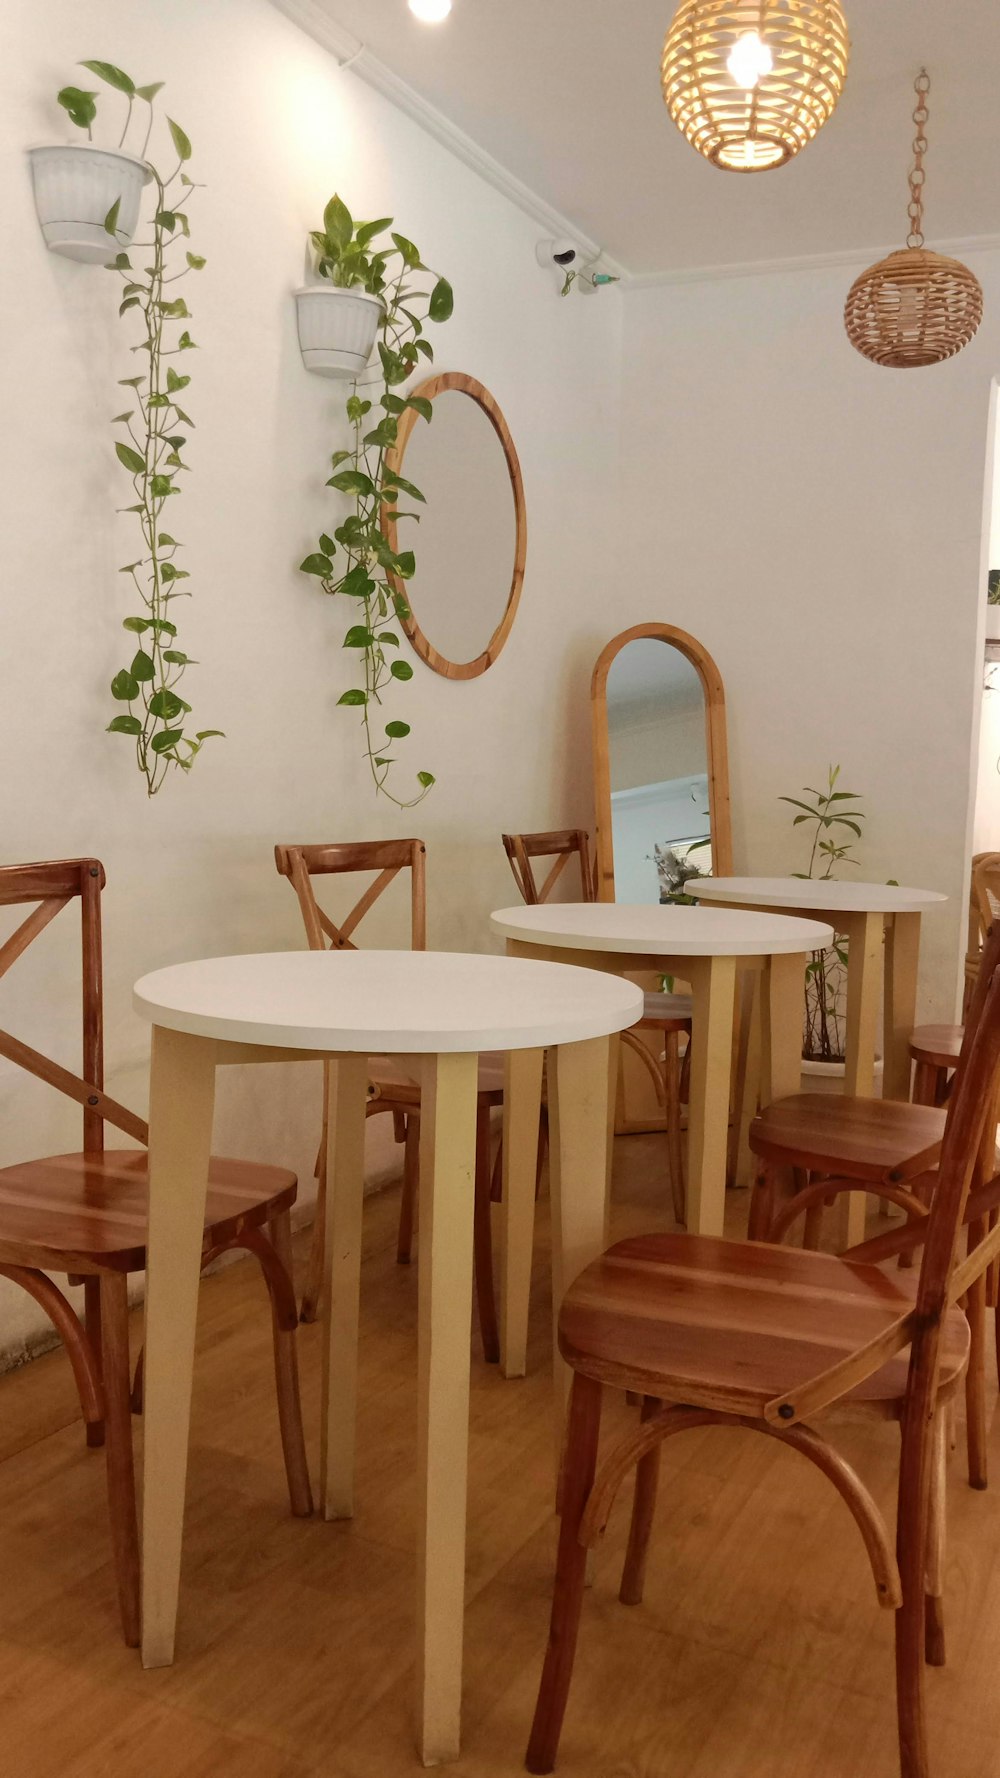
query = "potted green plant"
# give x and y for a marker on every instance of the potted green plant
(993, 606)
(340, 315)
(78, 186)
(828, 816)
(356, 563)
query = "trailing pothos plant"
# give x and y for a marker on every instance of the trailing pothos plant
(153, 442)
(357, 561)
(824, 1035)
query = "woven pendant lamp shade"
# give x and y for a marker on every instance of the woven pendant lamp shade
(916, 307)
(747, 128)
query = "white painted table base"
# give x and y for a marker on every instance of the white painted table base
(444, 1011)
(881, 922)
(702, 946)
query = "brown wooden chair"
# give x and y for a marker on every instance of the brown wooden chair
(934, 1049)
(771, 1339)
(669, 1014)
(84, 1215)
(390, 1089)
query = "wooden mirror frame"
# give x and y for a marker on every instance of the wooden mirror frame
(716, 749)
(477, 392)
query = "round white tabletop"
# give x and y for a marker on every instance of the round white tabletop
(395, 1002)
(813, 892)
(658, 930)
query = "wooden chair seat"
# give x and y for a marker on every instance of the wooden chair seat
(731, 1325)
(876, 1140)
(938, 1045)
(674, 1010)
(78, 1207)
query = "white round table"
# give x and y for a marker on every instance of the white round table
(438, 1010)
(704, 946)
(870, 916)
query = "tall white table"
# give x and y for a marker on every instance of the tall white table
(704, 946)
(438, 1012)
(874, 918)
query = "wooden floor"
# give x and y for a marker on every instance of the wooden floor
(759, 1653)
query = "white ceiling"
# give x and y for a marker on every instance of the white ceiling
(565, 94)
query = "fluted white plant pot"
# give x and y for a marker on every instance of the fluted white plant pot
(337, 328)
(993, 623)
(828, 1077)
(75, 187)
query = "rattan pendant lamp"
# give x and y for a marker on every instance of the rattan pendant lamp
(751, 82)
(916, 307)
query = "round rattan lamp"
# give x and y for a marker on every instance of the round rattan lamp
(751, 82)
(917, 307)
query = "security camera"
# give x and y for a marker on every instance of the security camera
(562, 254)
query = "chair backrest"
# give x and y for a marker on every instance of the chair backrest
(968, 1148)
(300, 864)
(567, 843)
(52, 887)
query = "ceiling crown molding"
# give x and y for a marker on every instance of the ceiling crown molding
(959, 248)
(349, 52)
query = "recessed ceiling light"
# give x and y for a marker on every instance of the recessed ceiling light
(430, 12)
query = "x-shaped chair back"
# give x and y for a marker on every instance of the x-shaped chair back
(567, 843)
(52, 887)
(300, 864)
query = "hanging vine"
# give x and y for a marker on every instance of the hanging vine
(371, 572)
(151, 450)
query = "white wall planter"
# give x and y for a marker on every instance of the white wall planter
(993, 623)
(75, 187)
(337, 328)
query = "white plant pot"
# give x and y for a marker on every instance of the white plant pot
(828, 1077)
(75, 187)
(993, 623)
(337, 328)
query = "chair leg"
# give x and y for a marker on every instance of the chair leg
(408, 1201)
(113, 1288)
(934, 1649)
(92, 1323)
(975, 1384)
(647, 1477)
(579, 1466)
(764, 1196)
(286, 1366)
(483, 1239)
(309, 1307)
(675, 1158)
(925, 1084)
(911, 1546)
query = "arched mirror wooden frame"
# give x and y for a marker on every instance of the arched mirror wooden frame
(477, 392)
(716, 748)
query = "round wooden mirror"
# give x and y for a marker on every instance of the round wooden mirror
(471, 543)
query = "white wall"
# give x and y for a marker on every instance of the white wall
(986, 825)
(817, 522)
(276, 127)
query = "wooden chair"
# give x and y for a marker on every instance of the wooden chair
(84, 1215)
(391, 1090)
(771, 1339)
(934, 1049)
(669, 1014)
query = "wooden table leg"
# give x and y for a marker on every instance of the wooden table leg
(580, 1082)
(347, 1093)
(522, 1097)
(747, 1094)
(181, 1104)
(864, 975)
(902, 956)
(713, 988)
(782, 1014)
(447, 1178)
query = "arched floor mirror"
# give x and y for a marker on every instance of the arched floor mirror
(661, 765)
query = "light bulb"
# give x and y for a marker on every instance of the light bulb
(748, 59)
(430, 12)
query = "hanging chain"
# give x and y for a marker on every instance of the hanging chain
(915, 207)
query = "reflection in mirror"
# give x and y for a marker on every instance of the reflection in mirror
(465, 544)
(660, 826)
